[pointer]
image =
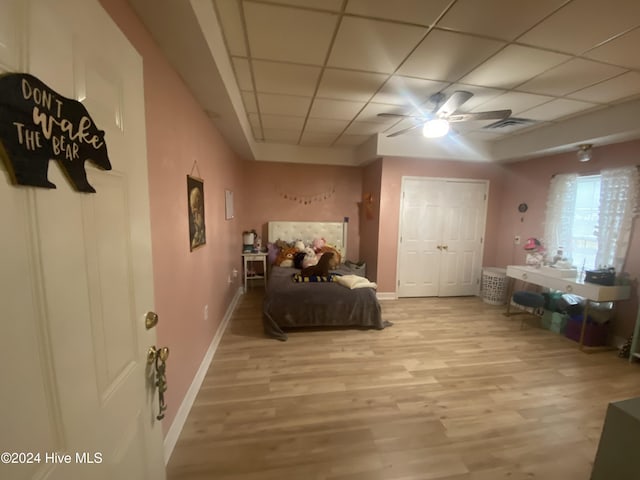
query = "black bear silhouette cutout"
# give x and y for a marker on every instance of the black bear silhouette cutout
(37, 125)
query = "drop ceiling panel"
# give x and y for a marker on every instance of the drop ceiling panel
(284, 78)
(569, 77)
(330, 5)
(448, 56)
(373, 45)
(335, 109)
(627, 85)
(349, 85)
(243, 73)
(254, 121)
(317, 139)
(363, 128)
(504, 19)
(371, 111)
(556, 109)
(515, 101)
(281, 136)
(622, 50)
(407, 91)
(512, 66)
(249, 100)
(583, 24)
(231, 23)
(419, 12)
(323, 125)
(283, 104)
(282, 122)
(304, 36)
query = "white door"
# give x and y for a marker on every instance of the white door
(419, 258)
(441, 232)
(76, 275)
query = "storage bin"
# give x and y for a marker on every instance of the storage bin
(559, 322)
(554, 321)
(494, 285)
(595, 334)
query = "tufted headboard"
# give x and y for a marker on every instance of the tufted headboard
(334, 233)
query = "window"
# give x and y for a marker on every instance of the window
(584, 231)
(590, 217)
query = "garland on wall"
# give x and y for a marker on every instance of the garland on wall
(307, 199)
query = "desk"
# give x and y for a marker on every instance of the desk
(248, 273)
(545, 277)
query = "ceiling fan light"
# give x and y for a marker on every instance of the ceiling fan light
(436, 128)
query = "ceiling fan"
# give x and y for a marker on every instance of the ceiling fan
(436, 123)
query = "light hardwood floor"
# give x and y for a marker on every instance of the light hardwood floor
(453, 390)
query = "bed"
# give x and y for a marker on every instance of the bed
(289, 304)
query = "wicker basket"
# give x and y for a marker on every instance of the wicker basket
(494, 286)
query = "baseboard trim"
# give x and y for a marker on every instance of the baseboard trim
(387, 295)
(185, 407)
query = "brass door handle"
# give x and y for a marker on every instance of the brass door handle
(439, 247)
(150, 320)
(158, 358)
(445, 247)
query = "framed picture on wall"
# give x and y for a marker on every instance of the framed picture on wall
(195, 203)
(228, 204)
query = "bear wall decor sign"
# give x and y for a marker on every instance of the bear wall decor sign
(37, 125)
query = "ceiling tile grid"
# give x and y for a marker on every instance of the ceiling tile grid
(319, 72)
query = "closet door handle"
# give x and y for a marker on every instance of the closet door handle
(439, 247)
(445, 247)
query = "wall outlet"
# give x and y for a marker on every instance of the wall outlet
(516, 240)
(206, 312)
(229, 281)
(235, 273)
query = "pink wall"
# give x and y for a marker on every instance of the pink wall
(529, 182)
(179, 133)
(393, 169)
(265, 185)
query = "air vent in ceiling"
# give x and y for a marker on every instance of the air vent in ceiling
(511, 122)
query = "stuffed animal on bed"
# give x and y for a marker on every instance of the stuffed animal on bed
(330, 249)
(310, 258)
(286, 256)
(321, 269)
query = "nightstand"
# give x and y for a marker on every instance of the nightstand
(248, 260)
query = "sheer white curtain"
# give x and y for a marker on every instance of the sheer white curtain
(618, 205)
(561, 204)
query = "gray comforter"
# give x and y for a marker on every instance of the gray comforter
(289, 304)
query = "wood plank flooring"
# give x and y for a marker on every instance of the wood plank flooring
(453, 390)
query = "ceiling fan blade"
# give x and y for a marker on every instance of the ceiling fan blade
(399, 115)
(405, 130)
(492, 115)
(453, 103)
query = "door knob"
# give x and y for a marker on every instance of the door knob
(150, 320)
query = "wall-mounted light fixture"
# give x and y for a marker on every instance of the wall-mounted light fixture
(584, 152)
